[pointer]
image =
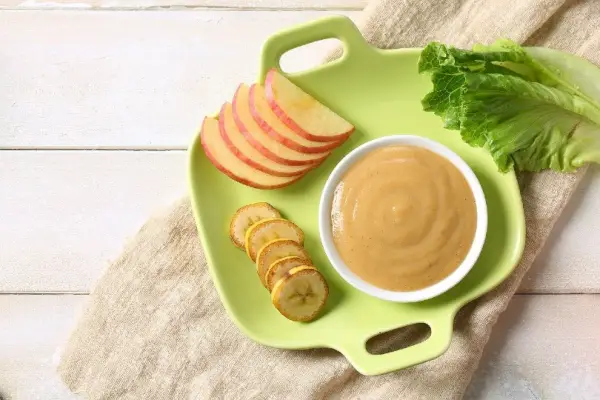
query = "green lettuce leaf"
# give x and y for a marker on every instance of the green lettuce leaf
(532, 109)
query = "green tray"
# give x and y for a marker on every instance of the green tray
(379, 91)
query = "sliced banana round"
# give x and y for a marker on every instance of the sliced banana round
(301, 294)
(281, 267)
(270, 229)
(275, 250)
(247, 216)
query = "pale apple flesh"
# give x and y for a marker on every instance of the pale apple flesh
(261, 141)
(302, 113)
(225, 161)
(270, 123)
(242, 149)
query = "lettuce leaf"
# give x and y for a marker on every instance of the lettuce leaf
(533, 109)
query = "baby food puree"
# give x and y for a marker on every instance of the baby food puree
(403, 218)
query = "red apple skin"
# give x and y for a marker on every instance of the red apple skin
(258, 146)
(233, 176)
(247, 160)
(286, 119)
(287, 142)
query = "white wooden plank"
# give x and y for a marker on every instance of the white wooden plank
(77, 78)
(33, 329)
(570, 260)
(65, 214)
(176, 4)
(543, 347)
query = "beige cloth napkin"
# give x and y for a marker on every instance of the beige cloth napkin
(154, 327)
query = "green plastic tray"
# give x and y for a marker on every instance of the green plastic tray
(379, 91)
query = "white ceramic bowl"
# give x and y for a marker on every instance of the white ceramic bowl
(327, 235)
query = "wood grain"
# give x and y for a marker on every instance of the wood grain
(543, 347)
(572, 252)
(133, 86)
(561, 363)
(183, 4)
(33, 329)
(65, 214)
(113, 79)
(75, 78)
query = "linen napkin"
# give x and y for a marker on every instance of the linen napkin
(154, 327)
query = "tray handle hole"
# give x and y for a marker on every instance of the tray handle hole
(399, 338)
(310, 55)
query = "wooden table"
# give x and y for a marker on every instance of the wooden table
(98, 102)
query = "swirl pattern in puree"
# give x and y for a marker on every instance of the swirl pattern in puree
(403, 218)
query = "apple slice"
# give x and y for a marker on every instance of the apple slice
(225, 161)
(304, 114)
(237, 143)
(274, 127)
(261, 141)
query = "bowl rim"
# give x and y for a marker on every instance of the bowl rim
(326, 235)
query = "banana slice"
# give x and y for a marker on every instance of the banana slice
(247, 216)
(275, 250)
(269, 229)
(301, 294)
(281, 267)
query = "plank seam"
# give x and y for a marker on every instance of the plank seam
(95, 149)
(181, 8)
(84, 293)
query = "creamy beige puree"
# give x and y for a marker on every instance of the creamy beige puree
(403, 218)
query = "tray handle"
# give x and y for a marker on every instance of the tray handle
(334, 27)
(375, 364)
